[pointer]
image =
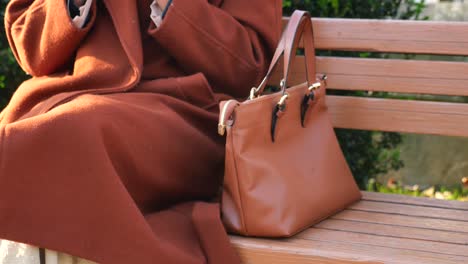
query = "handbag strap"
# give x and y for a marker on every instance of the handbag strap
(304, 30)
(299, 21)
(256, 91)
(300, 24)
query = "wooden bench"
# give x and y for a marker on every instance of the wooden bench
(384, 228)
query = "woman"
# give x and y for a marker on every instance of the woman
(110, 151)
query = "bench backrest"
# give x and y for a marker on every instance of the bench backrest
(392, 75)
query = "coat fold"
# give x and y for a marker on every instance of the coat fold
(110, 151)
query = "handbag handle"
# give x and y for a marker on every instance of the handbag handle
(257, 91)
(305, 31)
(299, 21)
(227, 107)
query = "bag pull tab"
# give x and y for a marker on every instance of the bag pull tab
(308, 99)
(278, 111)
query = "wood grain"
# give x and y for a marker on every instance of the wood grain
(421, 201)
(394, 231)
(437, 118)
(271, 251)
(384, 241)
(389, 75)
(403, 220)
(411, 210)
(420, 37)
(379, 229)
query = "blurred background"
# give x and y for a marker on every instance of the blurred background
(418, 165)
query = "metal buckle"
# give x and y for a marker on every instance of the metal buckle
(315, 86)
(222, 126)
(283, 84)
(253, 93)
(255, 90)
(283, 99)
(221, 129)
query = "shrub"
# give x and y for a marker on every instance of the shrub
(11, 74)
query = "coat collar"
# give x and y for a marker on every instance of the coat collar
(124, 14)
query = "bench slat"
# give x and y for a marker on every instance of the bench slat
(423, 37)
(264, 251)
(405, 199)
(394, 231)
(399, 115)
(393, 68)
(411, 210)
(355, 236)
(403, 220)
(398, 84)
(390, 75)
(389, 242)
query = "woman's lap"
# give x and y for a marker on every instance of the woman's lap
(104, 161)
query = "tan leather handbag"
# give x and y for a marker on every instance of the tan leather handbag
(284, 169)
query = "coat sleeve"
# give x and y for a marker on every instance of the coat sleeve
(232, 44)
(42, 35)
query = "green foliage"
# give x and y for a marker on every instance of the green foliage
(372, 9)
(11, 74)
(368, 153)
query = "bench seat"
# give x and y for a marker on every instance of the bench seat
(382, 228)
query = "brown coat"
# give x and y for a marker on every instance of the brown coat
(110, 151)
